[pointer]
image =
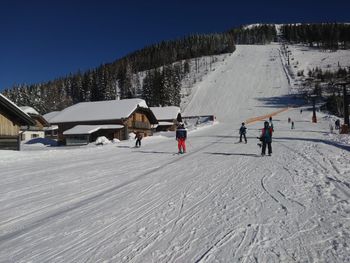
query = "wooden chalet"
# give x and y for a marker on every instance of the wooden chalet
(51, 132)
(167, 117)
(115, 119)
(11, 120)
(29, 132)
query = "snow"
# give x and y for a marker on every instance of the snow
(88, 129)
(165, 113)
(200, 69)
(99, 110)
(50, 115)
(165, 123)
(102, 140)
(29, 110)
(14, 105)
(51, 128)
(305, 58)
(251, 85)
(219, 202)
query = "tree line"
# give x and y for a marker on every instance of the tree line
(325, 35)
(259, 34)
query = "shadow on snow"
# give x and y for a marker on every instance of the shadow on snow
(234, 154)
(335, 144)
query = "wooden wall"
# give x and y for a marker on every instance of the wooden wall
(9, 137)
(139, 122)
(7, 127)
(137, 117)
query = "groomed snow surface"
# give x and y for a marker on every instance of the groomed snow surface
(219, 202)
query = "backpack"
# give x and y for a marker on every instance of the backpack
(267, 134)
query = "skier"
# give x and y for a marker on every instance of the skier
(242, 132)
(337, 124)
(266, 138)
(271, 123)
(292, 127)
(181, 136)
(289, 119)
(301, 111)
(179, 118)
(138, 138)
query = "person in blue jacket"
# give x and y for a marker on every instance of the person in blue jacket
(266, 138)
(181, 136)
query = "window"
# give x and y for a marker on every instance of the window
(34, 136)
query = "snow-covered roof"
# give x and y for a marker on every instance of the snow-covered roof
(165, 113)
(51, 128)
(165, 123)
(88, 129)
(50, 115)
(10, 105)
(99, 110)
(29, 110)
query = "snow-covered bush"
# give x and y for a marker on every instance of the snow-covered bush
(102, 141)
(115, 140)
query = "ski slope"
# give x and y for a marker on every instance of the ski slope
(249, 83)
(220, 202)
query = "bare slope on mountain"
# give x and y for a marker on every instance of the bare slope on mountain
(249, 82)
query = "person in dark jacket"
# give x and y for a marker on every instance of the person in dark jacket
(179, 118)
(266, 138)
(337, 124)
(181, 136)
(242, 132)
(138, 138)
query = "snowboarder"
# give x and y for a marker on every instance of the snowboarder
(181, 136)
(271, 123)
(138, 138)
(292, 127)
(242, 132)
(266, 138)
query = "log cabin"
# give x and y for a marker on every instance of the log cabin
(82, 123)
(11, 120)
(167, 117)
(51, 132)
(29, 132)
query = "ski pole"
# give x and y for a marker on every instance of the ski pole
(190, 144)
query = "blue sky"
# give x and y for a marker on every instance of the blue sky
(42, 40)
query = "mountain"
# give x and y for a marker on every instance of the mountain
(121, 78)
(156, 73)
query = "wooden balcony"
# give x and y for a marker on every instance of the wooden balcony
(141, 125)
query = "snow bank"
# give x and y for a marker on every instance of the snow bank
(102, 141)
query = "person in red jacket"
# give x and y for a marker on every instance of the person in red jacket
(266, 138)
(181, 136)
